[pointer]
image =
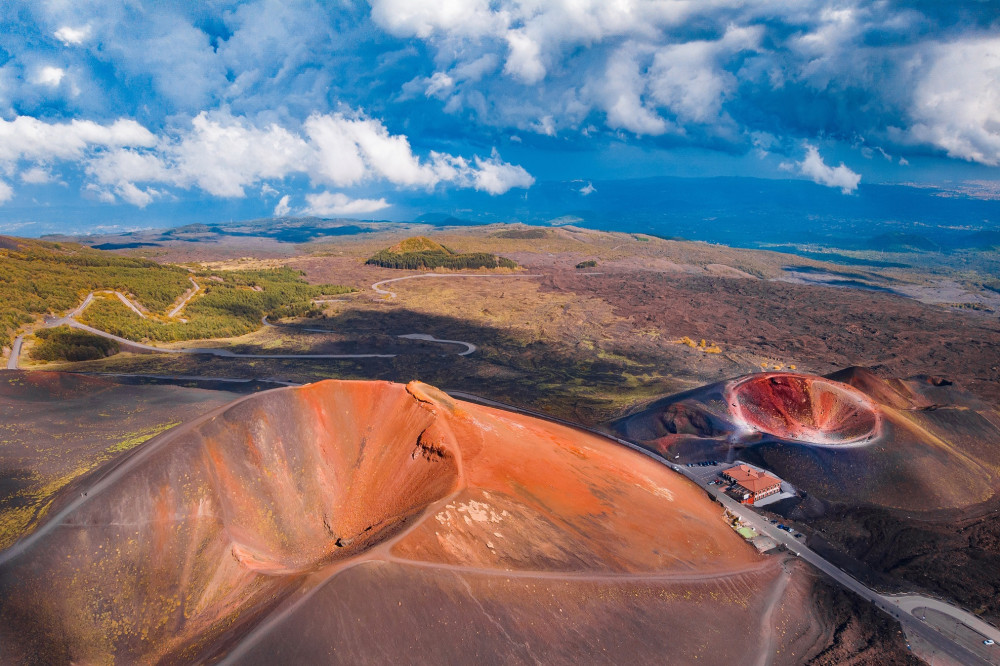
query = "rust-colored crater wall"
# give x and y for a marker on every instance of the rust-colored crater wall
(804, 408)
(188, 541)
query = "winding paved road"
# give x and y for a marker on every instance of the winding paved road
(391, 294)
(469, 347)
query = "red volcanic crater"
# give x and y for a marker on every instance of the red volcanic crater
(804, 408)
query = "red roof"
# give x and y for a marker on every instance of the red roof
(751, 479)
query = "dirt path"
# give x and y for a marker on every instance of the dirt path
(767, 619)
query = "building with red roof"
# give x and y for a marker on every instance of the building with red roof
(751, 485)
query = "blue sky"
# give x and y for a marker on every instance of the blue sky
(109, 109)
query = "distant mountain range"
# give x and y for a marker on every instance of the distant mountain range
(743, 212)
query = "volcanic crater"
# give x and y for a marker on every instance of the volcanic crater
(805, 409)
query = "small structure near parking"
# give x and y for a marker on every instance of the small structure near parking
(751, 485)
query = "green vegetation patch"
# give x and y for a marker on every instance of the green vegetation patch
(66, 344)
(37, 277)
(232, 307)
(523, 234)
(423, 253)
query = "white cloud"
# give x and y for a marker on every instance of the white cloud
(6, 192)
(49, 76)
(621, 95)
(136, 196)
(36, 140)
(36, 176)
(438, 83)
(819, 172)
(688, 78)
(71, 36)
(495, 176)
(223, 155)
(423, 19)
(349, 149)
(282, 208)
(956, 105)
(524, 59)
(332, 204)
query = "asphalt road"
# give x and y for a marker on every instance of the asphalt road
(391, 294)
(15, 353)
(469, 347)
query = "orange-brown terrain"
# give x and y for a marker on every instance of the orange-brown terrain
(356, 522)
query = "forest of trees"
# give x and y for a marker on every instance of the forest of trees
(432, 259)
(229, 308)
(66, 344)
(38, 277)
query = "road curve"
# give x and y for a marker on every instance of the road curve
(15, 352)
(911, 602)
(469, 347)
(391, 294)
(184, 301)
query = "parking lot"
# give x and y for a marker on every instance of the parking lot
(706, 472)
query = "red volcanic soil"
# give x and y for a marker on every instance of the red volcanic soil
(804, 408)
(367, 521)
